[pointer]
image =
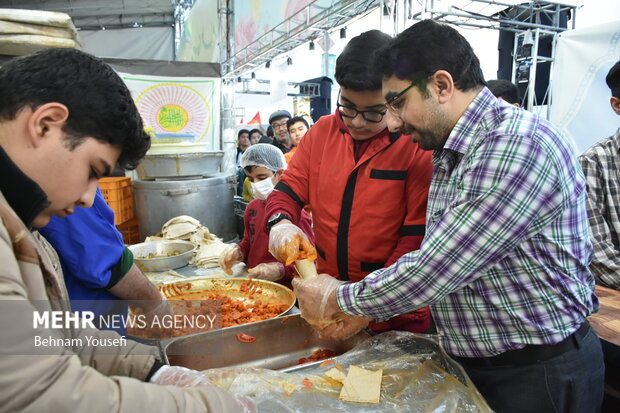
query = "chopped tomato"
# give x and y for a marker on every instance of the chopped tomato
(245, 338)
(306, 382)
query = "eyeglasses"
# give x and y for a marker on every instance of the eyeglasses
(394, 106)
(278, 125)
(373, 116)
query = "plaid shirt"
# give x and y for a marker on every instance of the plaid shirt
(601, 165)
(504, 262)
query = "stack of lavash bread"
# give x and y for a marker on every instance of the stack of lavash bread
(208, 246)
(26, 31)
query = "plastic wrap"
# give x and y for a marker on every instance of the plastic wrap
(417, 377)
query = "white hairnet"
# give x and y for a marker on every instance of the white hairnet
(265, 155)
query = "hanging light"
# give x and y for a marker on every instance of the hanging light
(268, 64)
(311, 45)
(289, 61)
(253, 82)
(343, 33)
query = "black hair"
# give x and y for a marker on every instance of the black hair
(613, 80)
(504, 89)
(296, 119)
(241, 132)
(253, 131)
(99, 103)
(353, 68)
(426, 47)
(270, 131)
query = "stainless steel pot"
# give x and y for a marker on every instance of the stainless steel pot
(180, 164)
(209, 200)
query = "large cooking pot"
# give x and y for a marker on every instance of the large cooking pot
(209, 200)
(172, 165)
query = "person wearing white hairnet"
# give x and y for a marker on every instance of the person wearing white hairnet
(263, 165)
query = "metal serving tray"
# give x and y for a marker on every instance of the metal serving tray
(280, 343)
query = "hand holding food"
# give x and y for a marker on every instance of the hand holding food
(347, 326)
(229, 257)
(288, 243)
(317, 299)
(270, 271)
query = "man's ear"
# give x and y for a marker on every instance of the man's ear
(615, 104)
(443, 84)
(47, 120)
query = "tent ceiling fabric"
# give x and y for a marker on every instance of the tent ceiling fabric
(89, 14)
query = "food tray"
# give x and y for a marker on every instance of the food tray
(263, 290)
(280, 343)
(232, 287)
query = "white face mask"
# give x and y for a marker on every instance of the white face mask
(262, 189)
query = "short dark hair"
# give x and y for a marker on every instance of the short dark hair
(613, 80)
(241, 132)
(426, 47)
(504, 89)
(296, 119)
(253, 131)
(99, 103)
(270, 131)
(353, 68)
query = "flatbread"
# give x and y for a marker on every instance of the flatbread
(335, 374)
(362, 386)
(306, 269)
(208, 254)
(208, 245)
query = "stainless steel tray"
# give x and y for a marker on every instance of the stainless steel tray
(280, 343)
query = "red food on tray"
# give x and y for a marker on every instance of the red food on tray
(317, 355)
(245, 338)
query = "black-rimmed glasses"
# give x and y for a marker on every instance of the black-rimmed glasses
(350, 112)
(394, 106)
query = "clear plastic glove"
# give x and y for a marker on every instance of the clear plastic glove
(271, 271)
(179, 376)
(229, 257)
(288, 243)
(317, 300)
(247, 405)
(348, 326)
(184, 377)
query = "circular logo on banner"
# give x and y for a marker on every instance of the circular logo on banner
(172, 118)
(175, 108)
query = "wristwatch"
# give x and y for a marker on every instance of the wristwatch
(274, 219)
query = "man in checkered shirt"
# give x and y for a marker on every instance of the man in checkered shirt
(601, 165)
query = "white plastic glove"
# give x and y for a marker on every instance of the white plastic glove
(348, 326)
(288, 243)
(229, 257)
(271, 271)
(317, 300)
(179, 376)
(184, 377)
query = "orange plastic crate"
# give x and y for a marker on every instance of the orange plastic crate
(130, 231)
(117, 194)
